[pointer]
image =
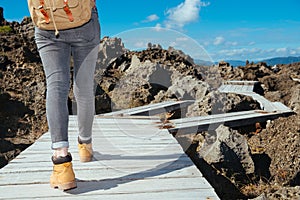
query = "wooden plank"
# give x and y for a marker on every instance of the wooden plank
(267, 105)
(199, 194)
(212, 117)
(231, 121)
(40, 174)
(192, 188)
(222, 88)
(152, 109)
(179, 165)
(281, 107)
(237, 86)
(247, 88)
(128, 117)
(225, 88)
(237, 82)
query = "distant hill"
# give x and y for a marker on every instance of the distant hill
(204, 62)
(282, 60)
(236, 63)
(271, 61)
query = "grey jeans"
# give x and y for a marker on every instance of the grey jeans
(82, 45)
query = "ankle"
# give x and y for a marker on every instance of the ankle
(61, 152)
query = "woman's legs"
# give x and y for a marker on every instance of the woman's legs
(82, 43)
(56, 62)
(84, 69)
(85, 54)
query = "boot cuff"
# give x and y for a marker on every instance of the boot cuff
(84, 141)
(61, 160)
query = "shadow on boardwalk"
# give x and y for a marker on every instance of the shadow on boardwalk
(85, 186)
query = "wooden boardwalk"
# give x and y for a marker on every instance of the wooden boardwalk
(247, 88)
(133, 159)
(269, 111)
(211, 122)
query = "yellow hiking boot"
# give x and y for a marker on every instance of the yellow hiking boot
(85, 152)
(63, 176)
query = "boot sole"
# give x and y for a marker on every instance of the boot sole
(65, 186)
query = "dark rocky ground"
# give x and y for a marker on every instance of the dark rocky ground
(254, 162)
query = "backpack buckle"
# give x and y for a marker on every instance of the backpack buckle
(68, 11)
(43, 11)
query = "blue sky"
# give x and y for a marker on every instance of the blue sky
(214, 29)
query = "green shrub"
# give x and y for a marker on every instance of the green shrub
(5, 29)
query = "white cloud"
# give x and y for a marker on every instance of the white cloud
(205, 4)
(237, 54)
(231, 43)
(158, 27)
(180, 43)
(184, 13)
(173, 44)
(219, 40)
(281, 50)
(15, 20)
(182, 39)
(254, 54)
(206, 43)
(151, 18)
(140, 44)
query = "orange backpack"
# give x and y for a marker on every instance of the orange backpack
(60, 14)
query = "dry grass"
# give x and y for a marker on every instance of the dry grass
(254, 190)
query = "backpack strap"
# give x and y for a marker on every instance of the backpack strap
(43, 11)
(68, 11)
